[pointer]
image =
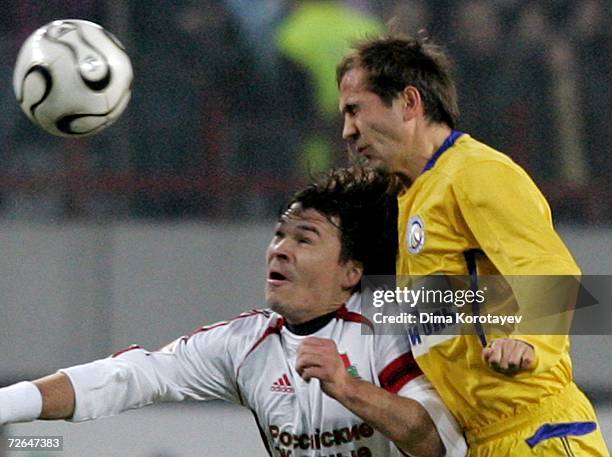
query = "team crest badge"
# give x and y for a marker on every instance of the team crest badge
(415, 237)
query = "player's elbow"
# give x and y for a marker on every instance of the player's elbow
(426, 448)
(422, 438)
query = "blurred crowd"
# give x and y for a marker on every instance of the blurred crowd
(234, 102)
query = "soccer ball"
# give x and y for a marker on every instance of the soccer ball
(72, 78)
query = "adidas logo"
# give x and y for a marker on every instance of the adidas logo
(282, 385)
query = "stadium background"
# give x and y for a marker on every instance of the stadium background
(159, 224)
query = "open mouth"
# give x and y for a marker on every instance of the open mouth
(276, 278)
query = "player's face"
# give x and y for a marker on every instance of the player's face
(305, 277)
(373, 130)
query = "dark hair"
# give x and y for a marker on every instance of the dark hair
(397, 61)
(365, 204)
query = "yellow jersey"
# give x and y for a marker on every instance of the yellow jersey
(473, 211)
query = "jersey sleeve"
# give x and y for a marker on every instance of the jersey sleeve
(394, 362)
(512, 224)
(398, 373)
(199, 367)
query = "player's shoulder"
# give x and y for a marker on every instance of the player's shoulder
(247, 325)
(472, 161)
(228, 340)
(473, 166)
(469, 153)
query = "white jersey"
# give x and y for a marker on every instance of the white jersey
(250, 361)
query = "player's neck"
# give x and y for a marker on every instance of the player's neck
(430, 137)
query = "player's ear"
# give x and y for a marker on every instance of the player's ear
(412, 102)
(353, 271)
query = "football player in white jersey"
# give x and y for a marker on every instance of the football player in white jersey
(318, 379)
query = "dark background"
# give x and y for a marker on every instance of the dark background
(224, 122)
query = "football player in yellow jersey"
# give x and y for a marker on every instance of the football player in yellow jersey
(468, 210)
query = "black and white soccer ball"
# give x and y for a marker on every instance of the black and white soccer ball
(73, 78)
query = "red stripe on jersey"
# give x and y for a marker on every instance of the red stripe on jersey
(129, 348)
(286, 379)
(269, 331)
(351, 316)
(273, 330)
(399, 372)
(253, 312)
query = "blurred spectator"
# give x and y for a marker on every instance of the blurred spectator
(568, 112)
(411, 17)
(275, 117)
(533, 138)
(193, 73)
(481, 55)
(258, 20)
(315, 35)
(588, 26)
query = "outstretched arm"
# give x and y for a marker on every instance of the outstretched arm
(106, 387)
(403, 420)
(199, 367)
(50, 397)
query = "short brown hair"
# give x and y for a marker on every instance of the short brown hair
(397, 61)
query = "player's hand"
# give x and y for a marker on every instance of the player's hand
(319, 358)
(509, 356)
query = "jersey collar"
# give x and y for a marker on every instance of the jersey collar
(450, 140)
(316, 324)
(312, 326)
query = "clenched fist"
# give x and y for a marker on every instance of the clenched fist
(319, 358)
(509, 356)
